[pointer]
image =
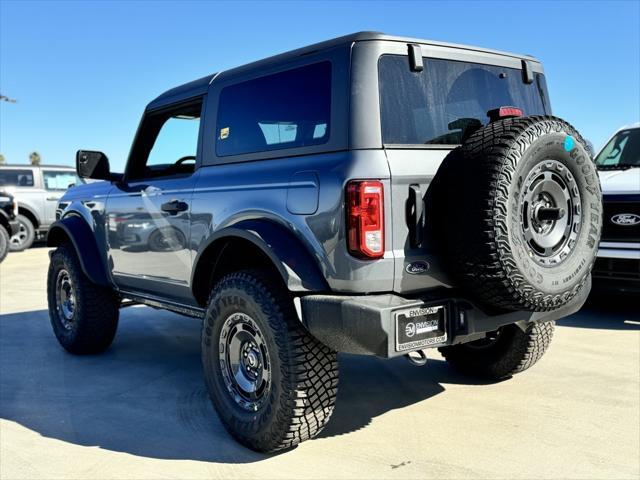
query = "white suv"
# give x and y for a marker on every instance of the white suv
(37, 190)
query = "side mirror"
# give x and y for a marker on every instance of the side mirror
(92, 165)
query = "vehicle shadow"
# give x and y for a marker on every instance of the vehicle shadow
(145, 395)
(606, 310)
(369, 387)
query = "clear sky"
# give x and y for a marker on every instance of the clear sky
(82, 72)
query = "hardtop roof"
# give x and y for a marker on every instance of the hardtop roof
(199, 87)
(28, 165)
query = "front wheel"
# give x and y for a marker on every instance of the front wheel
(272, 384)
(84, 316)
(502, 353)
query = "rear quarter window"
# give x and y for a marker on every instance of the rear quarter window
(285, 110)
(438, 104)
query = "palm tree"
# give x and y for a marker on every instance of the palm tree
(34, 158)
(1, 159)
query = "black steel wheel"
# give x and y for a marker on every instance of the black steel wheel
(244, 361)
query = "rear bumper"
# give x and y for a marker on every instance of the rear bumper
(617, 268)
(366, 324)
(618, 263)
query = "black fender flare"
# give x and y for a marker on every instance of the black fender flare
(75, 229)
(297, 267)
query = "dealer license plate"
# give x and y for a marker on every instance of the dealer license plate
(420, 327)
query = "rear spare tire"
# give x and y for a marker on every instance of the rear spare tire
(521, 213)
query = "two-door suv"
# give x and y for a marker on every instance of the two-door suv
(370, 194)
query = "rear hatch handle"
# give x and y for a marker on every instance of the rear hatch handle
(415, 215)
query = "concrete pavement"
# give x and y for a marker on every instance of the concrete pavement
(141, 410)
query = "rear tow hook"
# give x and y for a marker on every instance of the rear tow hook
(417, 358)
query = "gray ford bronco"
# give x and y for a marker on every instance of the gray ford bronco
(370, 194)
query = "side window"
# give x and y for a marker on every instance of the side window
(284, 110)
(167, 143)
(58, 180)
(16, 178)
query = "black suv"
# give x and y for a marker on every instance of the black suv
(8, 223)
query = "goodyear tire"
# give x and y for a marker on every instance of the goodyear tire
(4, 243)
(520, 213)
(503, 353)
(84, 316)
(272, 384)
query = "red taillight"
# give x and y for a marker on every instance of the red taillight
(365, 218)
(504, 112)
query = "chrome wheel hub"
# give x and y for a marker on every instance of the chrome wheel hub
(550, 212)
(65, 299)
(244, 361)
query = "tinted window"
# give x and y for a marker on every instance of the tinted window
(60, 179)
(285, 110)
(16, 178)
(448, 99)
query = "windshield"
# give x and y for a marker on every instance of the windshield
(622, 151)
(448, 100)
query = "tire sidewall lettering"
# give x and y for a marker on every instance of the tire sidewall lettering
(538, 144)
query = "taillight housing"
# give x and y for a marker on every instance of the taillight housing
(365, 218)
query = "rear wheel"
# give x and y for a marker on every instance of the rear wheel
(25, 235)
(502, 353)
(272, 384)
(84, 316)
(4, 243)
(520, 214)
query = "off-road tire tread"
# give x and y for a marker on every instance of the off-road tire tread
(309, 369)
(506, 359)
(98, 307)
(478, 252)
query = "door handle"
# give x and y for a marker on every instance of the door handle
(415, 216)
(174, 207)
(53, 199)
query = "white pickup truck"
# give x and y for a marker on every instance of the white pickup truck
(618, 263)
